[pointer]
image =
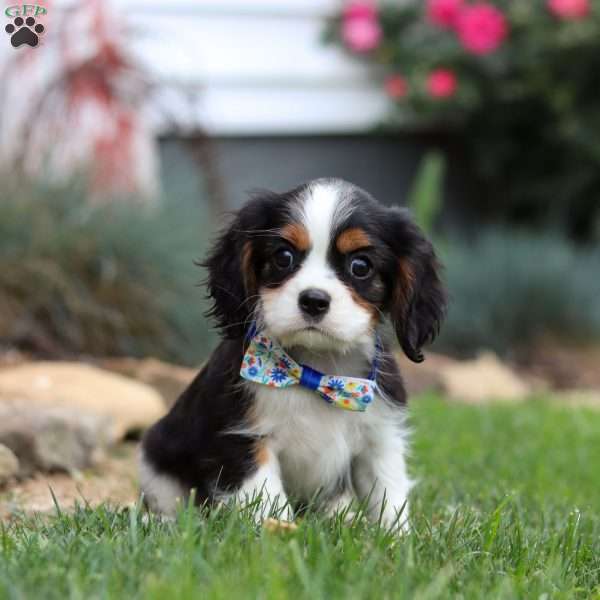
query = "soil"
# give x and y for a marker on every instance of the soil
(564, 367)
(114, 480)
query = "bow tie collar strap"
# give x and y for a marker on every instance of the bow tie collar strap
(267, 363)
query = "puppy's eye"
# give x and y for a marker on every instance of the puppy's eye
(284, 259)
(361, 267)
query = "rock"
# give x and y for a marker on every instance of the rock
(480, 380)
(9, 465)
(167, 379)
(9, 357)
(132, 406)
(579, 399)
(564, 366)
(483, 379)
(53, 438)
(426, 376)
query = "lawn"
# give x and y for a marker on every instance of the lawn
(507, 506)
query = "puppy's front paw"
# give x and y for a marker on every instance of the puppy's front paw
(343, 505)
(395, 518)
(261, 507)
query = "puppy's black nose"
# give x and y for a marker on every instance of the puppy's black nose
(314, 303)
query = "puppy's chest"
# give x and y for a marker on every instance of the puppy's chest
(314, 441)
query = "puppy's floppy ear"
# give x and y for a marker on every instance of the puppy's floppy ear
(231, 281)
(418, 300)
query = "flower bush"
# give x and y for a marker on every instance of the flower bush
(442, 83)
(570, 9)
(481, 28)
(444, 13)
(361, 30)
(515, 83)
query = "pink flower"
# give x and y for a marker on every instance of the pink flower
(442, 83)
(396, 87)
(570, 9)
(360, 9)
(443, 13)
(481, 28)
(361, 30)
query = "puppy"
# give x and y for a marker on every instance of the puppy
(301, 283)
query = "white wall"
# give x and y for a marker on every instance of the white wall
(252, 66)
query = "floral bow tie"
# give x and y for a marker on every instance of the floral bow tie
(268, 363)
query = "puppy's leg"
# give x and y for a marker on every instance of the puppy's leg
(265, 486)
(381, 480)
(344, 504)
(162, 493)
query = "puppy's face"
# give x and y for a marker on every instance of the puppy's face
(322, 284)
(320, 266)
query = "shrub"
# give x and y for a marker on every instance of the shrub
(119, 279)
(112, 279)
(510, 288)
(514, 82)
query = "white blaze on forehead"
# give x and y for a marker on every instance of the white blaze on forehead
(325, 205)
(320, 207)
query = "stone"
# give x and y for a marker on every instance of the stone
(578, 398)
(53, 438)
(167, 379)
(9, 465)
(426, 376)
(132, 406)
(564, 366)
(483, 379)
(9, 357)
(480, 380)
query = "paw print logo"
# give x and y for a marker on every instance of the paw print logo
(24, 32)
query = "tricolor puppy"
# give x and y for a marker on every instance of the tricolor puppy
(301, 402)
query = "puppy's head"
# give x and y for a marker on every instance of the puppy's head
(321, 265)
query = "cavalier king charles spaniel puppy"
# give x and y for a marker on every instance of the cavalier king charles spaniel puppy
(302, 402)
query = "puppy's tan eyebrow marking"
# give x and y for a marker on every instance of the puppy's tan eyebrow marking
(296, 235)
(352, 239)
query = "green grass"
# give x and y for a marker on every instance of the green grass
(507, 506)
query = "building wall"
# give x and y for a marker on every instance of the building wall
(252, 67)
(384, 165)
(279, 105)
(272, 104)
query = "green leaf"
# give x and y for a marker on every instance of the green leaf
(426, 197)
